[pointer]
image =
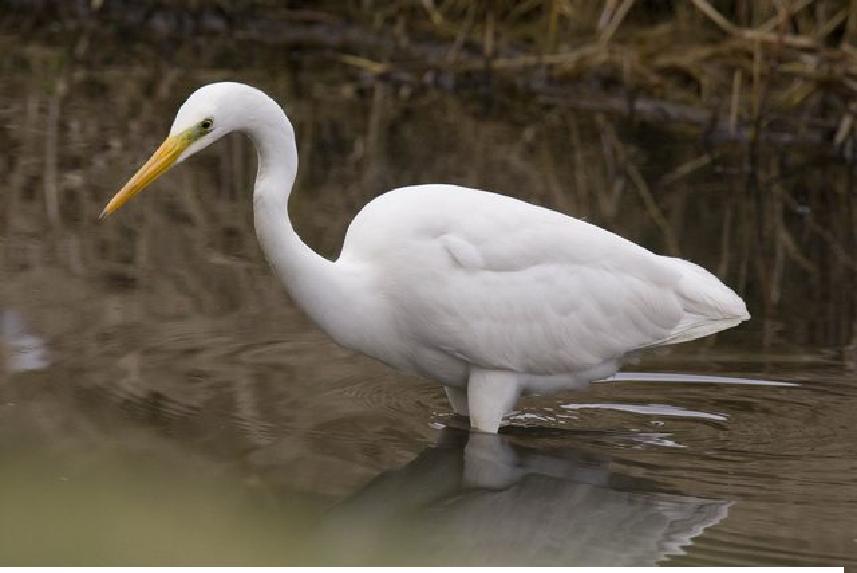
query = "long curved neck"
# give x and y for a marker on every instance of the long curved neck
(316, 284)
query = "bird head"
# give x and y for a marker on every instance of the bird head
(202, 119)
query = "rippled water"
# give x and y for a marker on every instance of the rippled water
(162, 401)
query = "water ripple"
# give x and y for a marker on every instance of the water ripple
(649, 409)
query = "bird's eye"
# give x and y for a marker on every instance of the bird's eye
(206, 123)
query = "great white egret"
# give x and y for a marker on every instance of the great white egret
(491, 296)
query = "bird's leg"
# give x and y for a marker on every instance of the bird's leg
(490, 394)
(489, 462)
(457, 399)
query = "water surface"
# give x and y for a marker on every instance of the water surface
(163, 401)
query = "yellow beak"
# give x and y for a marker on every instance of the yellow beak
(163, 158)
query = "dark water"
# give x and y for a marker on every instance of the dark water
(162, 400)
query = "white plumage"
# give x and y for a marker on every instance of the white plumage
(490, 296)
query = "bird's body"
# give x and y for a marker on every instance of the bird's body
(490, 296)
(468, 278)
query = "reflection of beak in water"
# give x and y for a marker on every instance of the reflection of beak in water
(483, 499)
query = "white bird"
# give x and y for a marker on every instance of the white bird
(488, 295)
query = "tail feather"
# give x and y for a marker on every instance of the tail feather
(710, 306)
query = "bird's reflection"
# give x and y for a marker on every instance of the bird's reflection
(488, 499)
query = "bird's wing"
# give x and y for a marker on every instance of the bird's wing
(503, 284)
(548, 318)
(556, 297)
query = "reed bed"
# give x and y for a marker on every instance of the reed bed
(783, 70)
(717, 131)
